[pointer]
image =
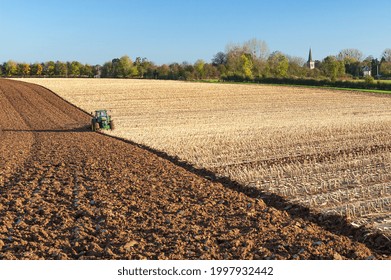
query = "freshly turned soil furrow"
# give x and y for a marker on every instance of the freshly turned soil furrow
(76, 194)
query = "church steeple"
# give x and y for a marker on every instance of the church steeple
(310, 62)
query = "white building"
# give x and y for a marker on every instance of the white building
(366, 71)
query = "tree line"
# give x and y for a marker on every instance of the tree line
(48, 69)
(249, 61)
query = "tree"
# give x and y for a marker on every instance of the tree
(199, 69)
(387, 55)
(278, 64)
(295, 67)
(219, 58)
(86, 70)
(23, 69)
(332, 68)
(125, 68)
(246, 66)
(385, 69)
(74, 70)
(186, 71)
(142, 65)
(163, 71)
(350, 55)
(36, 69)
(257, 48)
(11, 68)
(211, 71)
(115, 68)
(49, 68)
(61, 69)
(352, 60)
(107, 70)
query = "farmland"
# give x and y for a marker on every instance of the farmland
(69, 193)
(327, 150)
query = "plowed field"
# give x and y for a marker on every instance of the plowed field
(68, 193)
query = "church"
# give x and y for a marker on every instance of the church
(310, 62)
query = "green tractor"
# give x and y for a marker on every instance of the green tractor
(101, 120)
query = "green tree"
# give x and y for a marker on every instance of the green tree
(278, 65)
(50, 68)
(239, 64)
(125, 67)
(186, 71)
(332, 68)
(385, 69)
(115, 68)
(107, 70)
(296, 67)
(142, 65)
(219, 58)
(199, 69)
(352, 60)
(174, 72)
(86, 70)
(74, 70)
(61, 69)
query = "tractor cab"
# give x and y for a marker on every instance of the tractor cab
(101, 120)
(101, 113)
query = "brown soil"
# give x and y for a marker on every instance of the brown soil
(68, 193)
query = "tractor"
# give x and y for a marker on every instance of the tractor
(101, 120)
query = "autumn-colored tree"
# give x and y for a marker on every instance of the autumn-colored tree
(211, 71)
(23, 69)
(246, 66)
(36, 69)
(11, 68)
(39, 69)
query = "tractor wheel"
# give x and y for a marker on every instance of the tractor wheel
(96, 126)
(93, 125)
(112, 125)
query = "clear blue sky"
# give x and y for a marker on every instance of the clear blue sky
(186, 30)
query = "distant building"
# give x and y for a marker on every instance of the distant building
(310, 62)
(366, 71)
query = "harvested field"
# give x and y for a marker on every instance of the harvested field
(327, 150)
(68, 193)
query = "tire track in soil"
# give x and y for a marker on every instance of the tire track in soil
(84, 195)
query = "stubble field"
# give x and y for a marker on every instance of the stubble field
(327, 150)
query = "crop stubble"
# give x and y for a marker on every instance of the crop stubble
(328, 150)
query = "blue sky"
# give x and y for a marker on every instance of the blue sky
(175, 31)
